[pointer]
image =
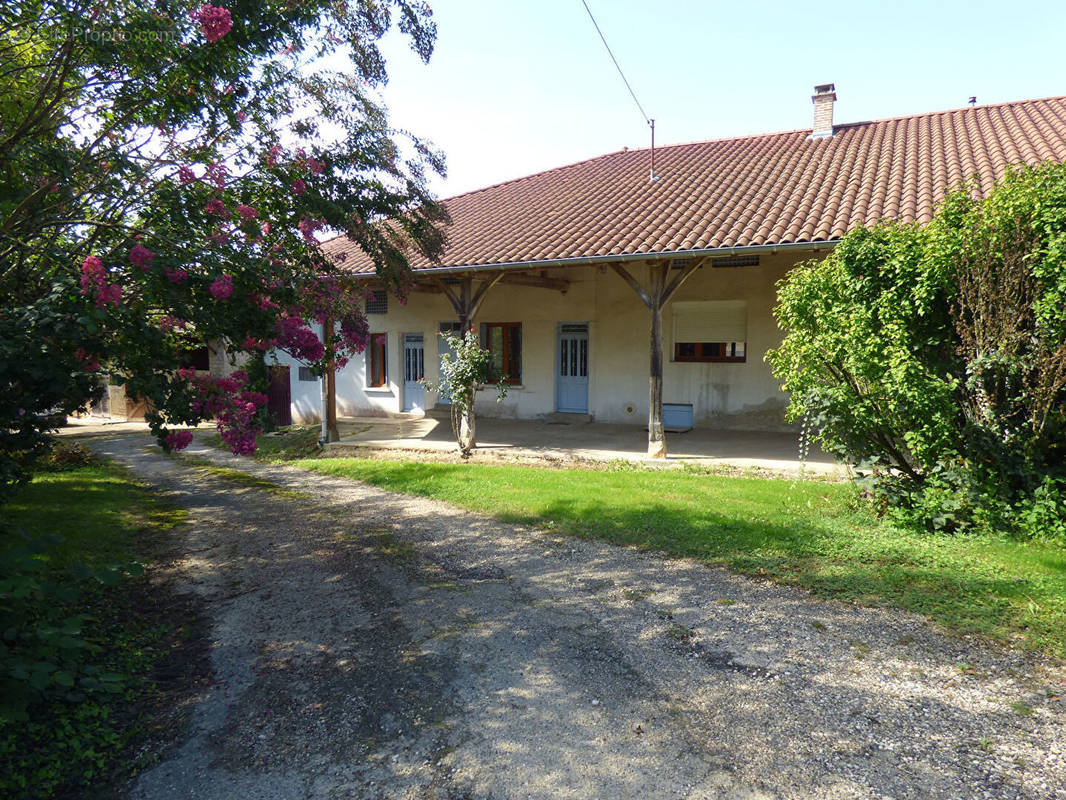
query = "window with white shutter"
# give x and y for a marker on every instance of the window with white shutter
(710, 330)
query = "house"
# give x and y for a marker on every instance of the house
(568, 273)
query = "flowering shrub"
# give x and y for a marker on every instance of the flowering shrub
(228, 401)
(189, 219)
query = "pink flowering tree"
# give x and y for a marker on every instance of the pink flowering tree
(166, 174)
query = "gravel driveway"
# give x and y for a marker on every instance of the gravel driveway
(373, 645)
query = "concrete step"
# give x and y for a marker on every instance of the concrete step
(563, 418)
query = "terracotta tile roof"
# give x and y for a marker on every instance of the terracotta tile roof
(771, 189)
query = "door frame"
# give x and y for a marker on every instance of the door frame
(403, 370)
(555, 368)
(280, 375)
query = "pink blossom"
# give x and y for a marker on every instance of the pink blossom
(141, 257)
(92, 274)
(179, 440)
(216, 173)
(247, 212)
(298, 339)
(219, 237)
(186, 175)
(168, 323)
(263, 301)
(94, 281)
(214, 21)
(90, 362)
(308, 227)
(215, 206)
(222, 288)
(241, 116)
(111, 295)
(176, 276)
(235, 410)
(298, 187)
(272, 155)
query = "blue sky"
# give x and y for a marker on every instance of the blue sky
(517, 87)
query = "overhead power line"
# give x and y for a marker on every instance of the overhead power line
(650, 122)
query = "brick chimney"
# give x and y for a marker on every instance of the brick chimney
(823, 98)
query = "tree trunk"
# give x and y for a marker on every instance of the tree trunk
(464, 425)
(656, 435)
(330, 378)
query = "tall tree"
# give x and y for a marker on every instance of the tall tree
(166, 168)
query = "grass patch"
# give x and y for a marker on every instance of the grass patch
(284, 444)
(1022, 709)
(810, 534)
(85, 737)
(243, 478)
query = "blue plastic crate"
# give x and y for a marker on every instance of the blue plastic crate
(677, 417)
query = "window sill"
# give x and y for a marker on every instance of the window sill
(382, 390)
(709, 361)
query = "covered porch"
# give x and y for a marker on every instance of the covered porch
(560, 441)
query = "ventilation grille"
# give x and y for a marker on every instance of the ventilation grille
(735, 261)
(379, 304)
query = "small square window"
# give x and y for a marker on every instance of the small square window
(307, 375)
(377, 302)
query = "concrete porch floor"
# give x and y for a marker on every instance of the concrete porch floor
(510, 439)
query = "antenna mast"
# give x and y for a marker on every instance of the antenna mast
(652, 177)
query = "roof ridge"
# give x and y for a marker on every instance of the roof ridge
(778, 188)
(749, 137)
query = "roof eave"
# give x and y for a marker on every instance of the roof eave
(645, 256)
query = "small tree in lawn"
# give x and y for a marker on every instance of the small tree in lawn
(463, 372)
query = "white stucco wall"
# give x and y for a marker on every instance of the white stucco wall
(741, 395)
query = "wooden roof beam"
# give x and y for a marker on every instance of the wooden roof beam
(538, 281)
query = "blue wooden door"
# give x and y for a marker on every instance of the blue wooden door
(572, 369)
(414, 369)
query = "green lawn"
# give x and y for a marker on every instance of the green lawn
(70, 744)
(806, 533)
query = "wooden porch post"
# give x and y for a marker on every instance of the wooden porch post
(656, 296)
(330, 378)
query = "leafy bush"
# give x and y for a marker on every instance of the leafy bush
(75, 645)
(66, 455)
(43, 652)
(935, 357)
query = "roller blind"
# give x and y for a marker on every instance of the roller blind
(711, 321)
